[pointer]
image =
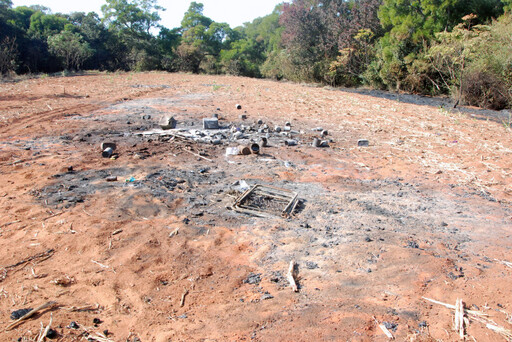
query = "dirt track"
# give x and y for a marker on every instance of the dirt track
(424, 211)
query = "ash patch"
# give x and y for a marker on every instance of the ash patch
(75, 187)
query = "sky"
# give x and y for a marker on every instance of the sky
(233, 12)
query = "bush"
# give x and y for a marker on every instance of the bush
(486, 90)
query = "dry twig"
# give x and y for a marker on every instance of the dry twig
(29, 314)
(174, 232)
(43, 256)
(291, 276)
(459, 318)
(45, 332)
(384, 329)
(185, 293)
(479, 317)
(197, 155)
(503, 262)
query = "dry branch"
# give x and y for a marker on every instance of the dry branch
(384, 329)
(117, 231)
(479, 317)
(9, 223)
(450, 306)
(459, 318)
(197, 155)
(45, 332)
(185, 293)
(83, 308)
(503, 262)
(174, 232)
(291, 276)
(29, 314)
(43, 256)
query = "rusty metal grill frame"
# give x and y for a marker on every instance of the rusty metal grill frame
(287, 196)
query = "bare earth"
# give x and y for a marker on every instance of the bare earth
(424, 211)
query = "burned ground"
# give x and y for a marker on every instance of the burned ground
(160, 254)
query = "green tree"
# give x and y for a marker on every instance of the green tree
(132, 44)
(243, 58)
(137, 17)
(44, 25)
(202, 41)
(70, 47)
(411, 25)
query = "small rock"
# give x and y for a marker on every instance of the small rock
(368, 239)
(266, 295)
(423, 324)
(390, 326)
(51, 334)
(453, 276)
(412, 244)
(363, 142)
(73, 325)
(253, 278)
(259, 122)
(311, 265)
(97, 321)
(111, 178)
(20, 313)
(238, 106)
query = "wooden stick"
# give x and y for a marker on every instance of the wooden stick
(9, 223)
(49, 217)
(83, 308)
(384, 329)
(459, 318)
(506, 263)
(185, 293)
(449, 306)
(494, 327)
(42, 337)
(99, 264)
(198, 155)
(291, 276)
(174, 232)
(29, 314)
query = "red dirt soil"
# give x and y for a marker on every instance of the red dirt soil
(423, 211)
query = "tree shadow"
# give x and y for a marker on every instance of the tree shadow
(431, 101)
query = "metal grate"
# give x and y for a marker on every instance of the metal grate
(267, 201)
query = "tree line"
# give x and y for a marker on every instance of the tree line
(457, 47)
